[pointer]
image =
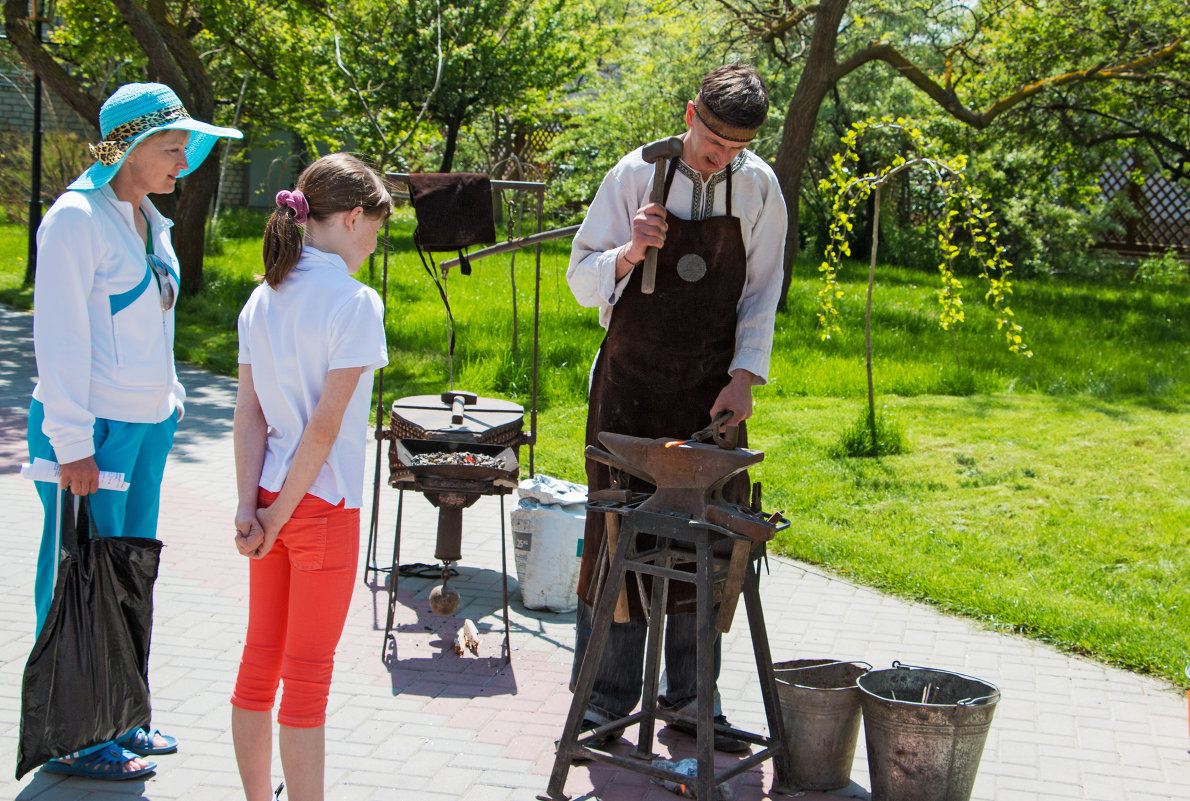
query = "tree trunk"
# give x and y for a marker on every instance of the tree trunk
(452, 140)
(190, 219)
(815, 82)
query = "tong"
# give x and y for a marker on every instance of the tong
(719, 432)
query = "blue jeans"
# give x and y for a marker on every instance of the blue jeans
(619, 682)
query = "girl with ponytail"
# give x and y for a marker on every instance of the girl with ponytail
(310, 337)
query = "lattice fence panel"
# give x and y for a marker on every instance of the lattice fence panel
(1161, 212)
(538, 140)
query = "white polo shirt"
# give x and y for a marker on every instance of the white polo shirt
(319, 319)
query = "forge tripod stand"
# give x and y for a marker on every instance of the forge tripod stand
(679, 539)
(463, 428)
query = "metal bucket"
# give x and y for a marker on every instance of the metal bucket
(925, 731)
(820, 706)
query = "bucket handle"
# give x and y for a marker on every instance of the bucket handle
(780, 680)
(831, 664)
(897, 664)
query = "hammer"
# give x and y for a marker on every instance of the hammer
(658, 153)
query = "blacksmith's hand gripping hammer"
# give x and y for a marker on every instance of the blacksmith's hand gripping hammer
(657, 153)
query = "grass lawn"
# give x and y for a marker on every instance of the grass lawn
(1045, 496)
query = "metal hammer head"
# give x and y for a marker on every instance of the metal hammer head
(668, 148)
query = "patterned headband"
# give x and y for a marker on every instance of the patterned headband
(118, 139)
(721, 129)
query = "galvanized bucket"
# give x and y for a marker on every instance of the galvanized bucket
(925, 731)
(820, 706)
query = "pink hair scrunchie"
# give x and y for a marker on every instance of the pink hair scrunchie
(296, 201)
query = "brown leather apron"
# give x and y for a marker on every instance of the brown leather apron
(664, 361)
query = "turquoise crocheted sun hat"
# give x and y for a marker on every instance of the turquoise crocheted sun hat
(135, 111)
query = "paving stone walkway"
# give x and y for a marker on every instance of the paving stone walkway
(431, 725)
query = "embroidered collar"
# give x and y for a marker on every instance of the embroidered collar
(702, 196)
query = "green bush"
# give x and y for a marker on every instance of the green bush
(1163, 269)
(63, 157)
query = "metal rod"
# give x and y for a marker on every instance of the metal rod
(783, 781)
(393, 575)
(504, 584)
(446, 407)
(704, 711)
(374, 525)
(514, 244)
(520, 186)
(536, 334)
(35, 156)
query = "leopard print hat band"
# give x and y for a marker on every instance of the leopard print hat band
(120, 139)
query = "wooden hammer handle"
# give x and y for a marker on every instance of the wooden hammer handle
(648, 279)
(612, 529)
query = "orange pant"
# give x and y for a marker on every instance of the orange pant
(298, 600)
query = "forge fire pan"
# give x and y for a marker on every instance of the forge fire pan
(503, 476)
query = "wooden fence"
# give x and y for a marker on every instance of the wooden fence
(1156, 217)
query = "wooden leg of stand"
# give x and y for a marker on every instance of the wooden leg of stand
(734, 583)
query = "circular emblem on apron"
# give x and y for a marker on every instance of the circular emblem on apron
(692, 267)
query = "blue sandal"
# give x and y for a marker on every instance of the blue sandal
(141, 742)
(106, 763)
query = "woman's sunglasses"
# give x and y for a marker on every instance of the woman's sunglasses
(163, 283)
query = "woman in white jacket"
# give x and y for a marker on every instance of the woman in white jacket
(107, 396)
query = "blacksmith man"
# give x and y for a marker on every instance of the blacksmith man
(673, 359)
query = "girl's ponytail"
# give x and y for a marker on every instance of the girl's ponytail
(283, 237)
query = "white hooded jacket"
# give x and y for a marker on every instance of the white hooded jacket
(104, 347)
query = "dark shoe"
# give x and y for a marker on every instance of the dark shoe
(106, 763)
(723, 742)
(601, 742)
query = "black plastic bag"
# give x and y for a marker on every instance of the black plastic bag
(86, 681)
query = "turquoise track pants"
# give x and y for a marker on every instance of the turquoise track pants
(138, 450)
